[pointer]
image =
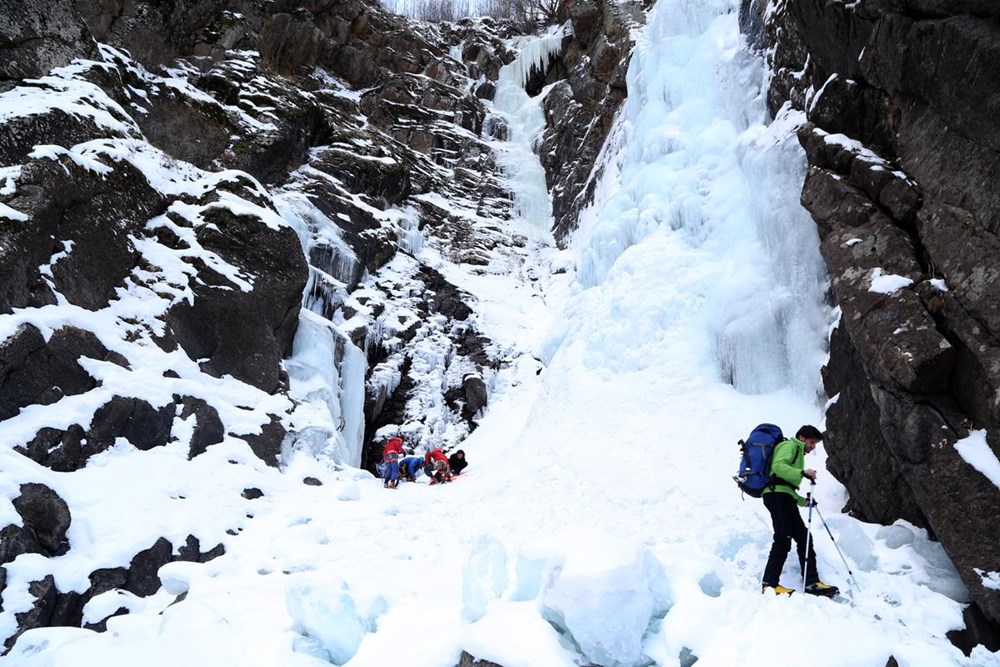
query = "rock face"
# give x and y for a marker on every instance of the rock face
(589, 78)
(903, 147)
(189, 176)
(36, 37)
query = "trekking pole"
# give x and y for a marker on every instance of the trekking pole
(805, 560)
(832, 539)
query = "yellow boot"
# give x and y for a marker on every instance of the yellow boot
(777, 590)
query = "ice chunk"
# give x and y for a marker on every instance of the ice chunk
(942, 577)
(535, 570)
(895, 536)
(855, 545)
(537, 642)
(601, 575)
(711, 585)
(328, 618)
(484, 577)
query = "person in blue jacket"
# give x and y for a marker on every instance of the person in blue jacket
(410, 466)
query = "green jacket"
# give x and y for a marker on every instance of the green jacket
(787, 464)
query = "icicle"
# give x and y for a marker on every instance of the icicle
(538, 55)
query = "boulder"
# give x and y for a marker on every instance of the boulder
(143, 578)
(40, 615)
(34, 371)
(102, 581)
(95, 213)
(56, 449)
(243, 333)
(17, 540)
(469, 660)
(208, 428)
(46, 515)
(267, 444)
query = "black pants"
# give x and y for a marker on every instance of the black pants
(788, 526)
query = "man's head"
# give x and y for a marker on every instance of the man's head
(810, 435)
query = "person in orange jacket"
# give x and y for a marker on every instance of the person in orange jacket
(390, 460)
(436, 466)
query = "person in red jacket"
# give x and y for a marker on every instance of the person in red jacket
(436, 466)
(390, 460)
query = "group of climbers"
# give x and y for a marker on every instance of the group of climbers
(435, 464)
(773, 468)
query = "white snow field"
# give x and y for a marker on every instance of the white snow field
(597, 523)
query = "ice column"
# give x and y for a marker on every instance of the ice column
(326, 370)
(525, 121)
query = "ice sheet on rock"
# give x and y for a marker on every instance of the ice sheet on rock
(699, 170)
(525, 121)
(326, 372)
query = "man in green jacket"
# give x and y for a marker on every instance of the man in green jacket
(783, 501)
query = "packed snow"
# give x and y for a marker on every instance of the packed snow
(597, 522)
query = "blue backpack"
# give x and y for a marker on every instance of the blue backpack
(755, 467)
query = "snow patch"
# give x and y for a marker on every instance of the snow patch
(976, 451)
(888, 283)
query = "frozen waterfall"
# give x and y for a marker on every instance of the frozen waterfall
(525, 121)
(699, 170)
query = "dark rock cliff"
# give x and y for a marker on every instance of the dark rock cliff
(142, 199)
(903, 144)
(588, 88)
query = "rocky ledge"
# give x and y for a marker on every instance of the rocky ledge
(903, 151)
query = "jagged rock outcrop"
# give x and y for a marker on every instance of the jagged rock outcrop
(589, 78)
(174, 198)
(46, 516)
(903, 151)
(53, 607)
